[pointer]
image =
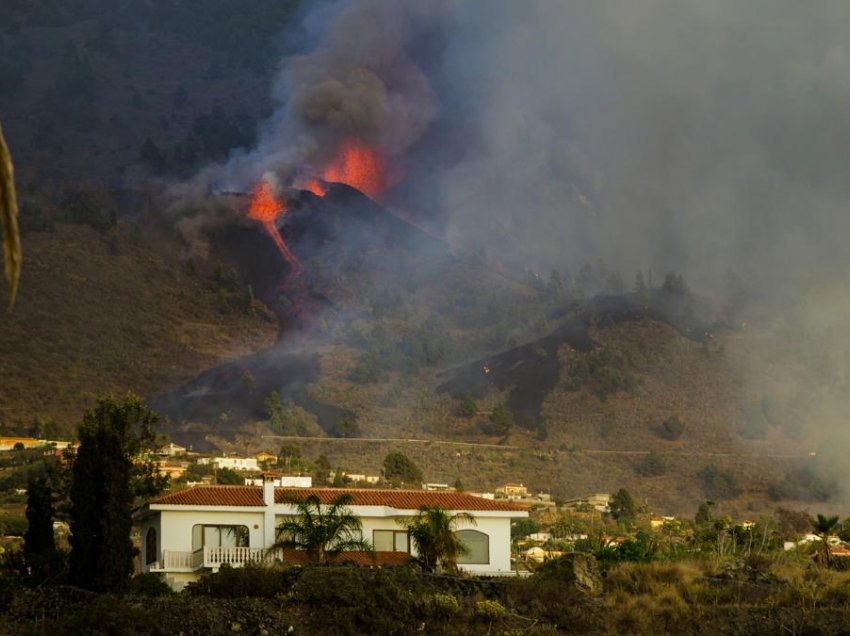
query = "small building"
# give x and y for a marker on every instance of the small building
(233, 462)
(171, 449)
(539, 555)
(282, 481)
(541, 537)
(263, 457)
(172, 469)
(360, 478)
(437, 487)
(599, 501)
(512, 491)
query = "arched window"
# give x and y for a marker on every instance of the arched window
(477, 545)
(151, 553)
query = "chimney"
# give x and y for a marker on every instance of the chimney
(268, 489)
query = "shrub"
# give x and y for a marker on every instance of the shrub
(444, 605)
(652, 465)
(466, 407)
(149, 584)
(253, 580)
(672, 428)
(489, 610)
(719, 483)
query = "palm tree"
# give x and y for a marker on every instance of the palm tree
(9, 221)
(432, 531)
(824, 527)
(323, 531)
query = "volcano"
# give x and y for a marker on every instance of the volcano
(340, 237)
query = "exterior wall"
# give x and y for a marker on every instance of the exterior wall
(177, 525)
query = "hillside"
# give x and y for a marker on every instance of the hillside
(96, 316)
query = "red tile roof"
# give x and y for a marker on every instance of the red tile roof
(214, 496)
(399, 499)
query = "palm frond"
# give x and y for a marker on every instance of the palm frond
(9, 221)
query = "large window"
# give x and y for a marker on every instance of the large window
(390, 541)
(477, 545)
(219, 536)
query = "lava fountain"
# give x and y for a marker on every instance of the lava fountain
(355, 164)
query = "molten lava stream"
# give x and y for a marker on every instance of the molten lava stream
(264, 208)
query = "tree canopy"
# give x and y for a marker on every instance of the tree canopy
(323, 531)
(399, 468)
(111, 470)
(432, 531)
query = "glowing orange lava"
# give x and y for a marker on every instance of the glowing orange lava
(359, 166)
(316, 187)
(265, 208)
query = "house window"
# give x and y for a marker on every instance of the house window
(219, 536)
(150, 546)
(390, 541)
(477, 546)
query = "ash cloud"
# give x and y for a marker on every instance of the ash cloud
(357, 81)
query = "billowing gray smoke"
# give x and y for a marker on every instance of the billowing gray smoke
(358, 82)
(710, 138)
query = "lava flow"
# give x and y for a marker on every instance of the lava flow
(265, 208)
(355, 164)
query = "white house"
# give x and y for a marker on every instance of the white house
(192, 531)
(283, 481)
(233, 463)
(171, 449)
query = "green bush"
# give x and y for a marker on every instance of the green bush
(489, 610)
(672, 428)
(719, 483)
(444, 605)
(149, 584)
(248, 581)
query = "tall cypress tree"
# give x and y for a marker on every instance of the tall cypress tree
(39, 544)
(108, 474)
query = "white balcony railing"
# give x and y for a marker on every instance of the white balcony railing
(212, 557)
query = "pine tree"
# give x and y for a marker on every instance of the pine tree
(109, 472)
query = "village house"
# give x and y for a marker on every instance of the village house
(171, 449)
(539, 555)
(232, 463)
(360, 478)
(263, 457)
(512, 491)
(598, 501)
(282, 481)
(171, 468)
(197, 530)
